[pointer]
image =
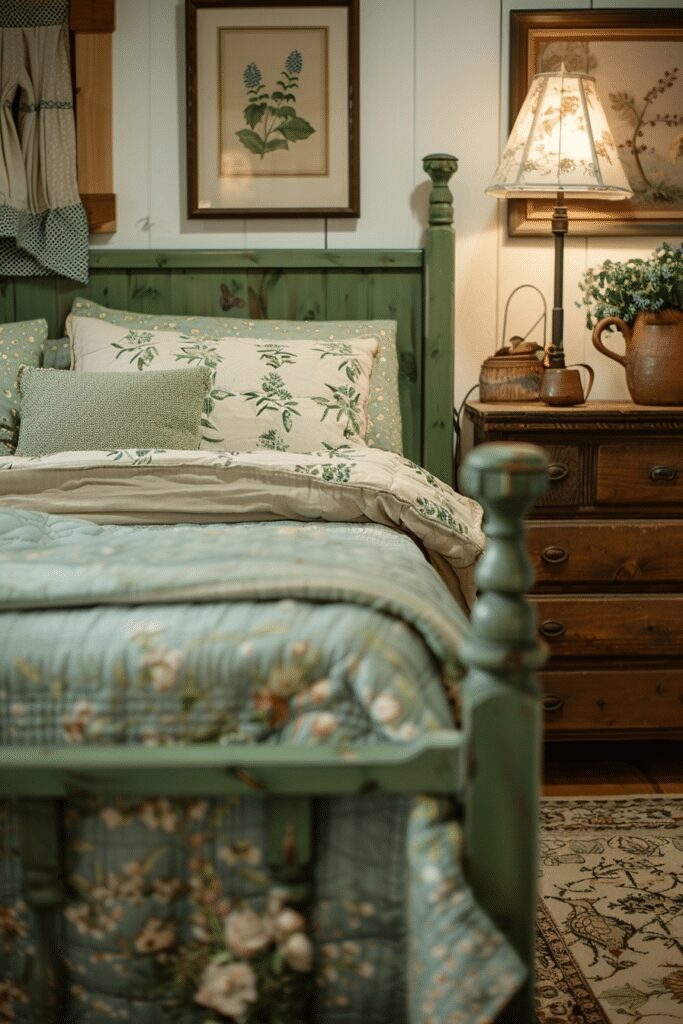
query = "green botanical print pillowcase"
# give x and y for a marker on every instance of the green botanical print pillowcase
(21, 344)
(64, 411)
(384, 428)
(283, 395)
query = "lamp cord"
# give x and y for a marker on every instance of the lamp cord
(457, 431)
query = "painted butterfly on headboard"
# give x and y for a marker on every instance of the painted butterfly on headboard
(228, 300)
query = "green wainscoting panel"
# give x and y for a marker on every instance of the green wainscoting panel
(286, 284)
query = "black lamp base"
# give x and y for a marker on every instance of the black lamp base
(560, 225)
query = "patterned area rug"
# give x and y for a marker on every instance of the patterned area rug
(610, 942)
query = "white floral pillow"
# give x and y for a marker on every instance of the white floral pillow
(297, 397)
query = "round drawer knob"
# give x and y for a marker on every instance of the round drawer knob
(557, 471)
(552, 702)
(663, 474)
(550, 628)
(554, 554)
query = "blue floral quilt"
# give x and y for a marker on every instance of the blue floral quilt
(280, 632)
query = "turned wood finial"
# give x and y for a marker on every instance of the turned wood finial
(440, 167)
(506, 479)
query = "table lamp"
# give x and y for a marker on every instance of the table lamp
(560, 145)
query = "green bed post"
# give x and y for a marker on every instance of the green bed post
(501, 706)
(437, 423)
(42, 889)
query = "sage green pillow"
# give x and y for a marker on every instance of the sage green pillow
(57, 354)
(64, 411)
(21, 344)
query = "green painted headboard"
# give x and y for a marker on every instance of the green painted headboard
(412, 286)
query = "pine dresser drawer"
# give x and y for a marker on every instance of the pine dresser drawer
(564, 475)
(620, 553)
(613, 700)
(635, 473)
(611, 626)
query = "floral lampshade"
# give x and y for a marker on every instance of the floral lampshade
(561, 142)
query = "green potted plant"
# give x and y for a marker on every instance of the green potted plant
(642, 298)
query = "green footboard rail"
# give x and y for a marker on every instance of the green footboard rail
(492, 764)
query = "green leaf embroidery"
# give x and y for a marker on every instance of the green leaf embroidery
(330, 472)
(295, 129)
(343, 351)
(345, 401)
(253, 113)
(627, 998)
(276, 144)
(274, 398)
(251, 141)
(139, 348)
(272, 440)
(275, 355)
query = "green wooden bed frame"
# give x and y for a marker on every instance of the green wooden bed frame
(492, 764)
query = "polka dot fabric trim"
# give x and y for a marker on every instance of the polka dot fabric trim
(52, 242)
(29, 14)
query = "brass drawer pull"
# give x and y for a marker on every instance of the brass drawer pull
(551, 628)
(552, 702)
(555, 555)
(557, 471)
(663, 474)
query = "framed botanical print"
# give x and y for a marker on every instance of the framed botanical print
(636, 57)
(272, 108)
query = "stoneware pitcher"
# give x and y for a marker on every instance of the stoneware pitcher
(654, 355)
(562, 385)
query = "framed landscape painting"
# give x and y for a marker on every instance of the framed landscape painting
(636, 57)
(272, 108)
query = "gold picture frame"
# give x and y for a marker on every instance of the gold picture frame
(272, 108)
(636, 57)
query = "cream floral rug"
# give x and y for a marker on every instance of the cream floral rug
(610, 943)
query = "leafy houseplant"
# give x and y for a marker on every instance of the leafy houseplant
(626, 289)
(642, 298)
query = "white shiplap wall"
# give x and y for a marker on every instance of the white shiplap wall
(433, 79)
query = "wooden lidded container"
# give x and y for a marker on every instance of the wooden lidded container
(514, 373)
(510, 378)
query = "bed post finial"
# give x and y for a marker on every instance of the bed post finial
(440, 167)
(501, 704)
(437, 412)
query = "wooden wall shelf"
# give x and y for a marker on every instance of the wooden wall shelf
(92, 23)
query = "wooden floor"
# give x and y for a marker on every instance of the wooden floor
(604, 769)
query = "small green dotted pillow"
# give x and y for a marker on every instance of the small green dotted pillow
(63, 411)
(20, 344)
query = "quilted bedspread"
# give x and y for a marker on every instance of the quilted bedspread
(283, 631)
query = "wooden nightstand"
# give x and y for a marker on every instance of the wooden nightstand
(606, 542)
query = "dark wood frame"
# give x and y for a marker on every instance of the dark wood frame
(532, 217)
(352, 209)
